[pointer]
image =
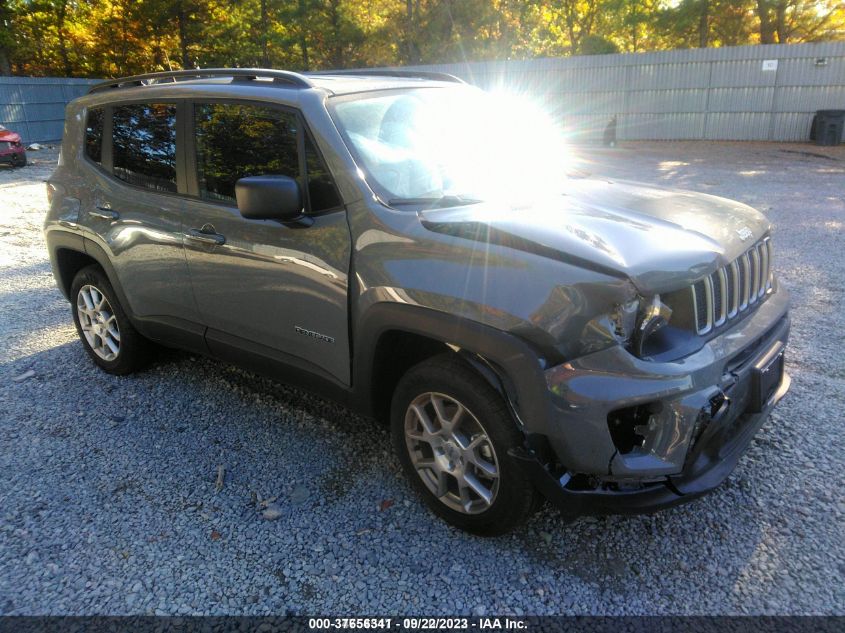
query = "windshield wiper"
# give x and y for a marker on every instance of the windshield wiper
(441, 202)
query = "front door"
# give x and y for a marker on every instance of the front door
(277, 290)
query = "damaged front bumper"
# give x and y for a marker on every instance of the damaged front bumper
(689, 421)
(13, 157)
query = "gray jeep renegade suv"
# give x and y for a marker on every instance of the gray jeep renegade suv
(402, 243)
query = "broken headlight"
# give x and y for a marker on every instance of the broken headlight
(653, 320)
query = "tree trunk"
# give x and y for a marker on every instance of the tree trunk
(60, 30)
(337, 59)
(302, 9)
(704, 24)
(5, 66)
(767, 31)
(159, 60)
(412, 15)
(635, 26)
(570, 27)
(124, 40)
(265, 61)
(781, 26)
(448, 25)
(182, 19)
(303, 51)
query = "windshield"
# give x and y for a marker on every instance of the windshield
(452, 145)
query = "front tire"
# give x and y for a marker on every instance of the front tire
(452, 432)
(103, 327)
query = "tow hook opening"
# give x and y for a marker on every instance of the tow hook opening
(630, 426)
(719, 405)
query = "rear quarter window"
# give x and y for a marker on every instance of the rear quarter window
(94, 135)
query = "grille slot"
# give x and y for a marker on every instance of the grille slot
(717, 282)
(742, 262)
(765, 270)
(733, 289)
(754, 258)
(702, 312)
(722, 295)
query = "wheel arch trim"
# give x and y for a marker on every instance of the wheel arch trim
(99, 255)
(488, 350)
(58, 240)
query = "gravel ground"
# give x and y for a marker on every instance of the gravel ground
(108, 499)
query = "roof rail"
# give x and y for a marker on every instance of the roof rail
(246, 74)
(400, 72)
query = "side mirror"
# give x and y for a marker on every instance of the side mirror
(269, 198)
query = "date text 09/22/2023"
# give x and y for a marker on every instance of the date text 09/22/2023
(419, 624)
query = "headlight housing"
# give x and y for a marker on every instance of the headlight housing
(663, 329)
(652, 324)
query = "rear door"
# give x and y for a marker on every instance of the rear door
(133, 209)
(273, 289)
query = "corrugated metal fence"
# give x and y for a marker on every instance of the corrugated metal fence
(35, 107)
(739, 93)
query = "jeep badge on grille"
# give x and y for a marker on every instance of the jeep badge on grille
(744, 233)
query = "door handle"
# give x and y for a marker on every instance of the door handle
(206, 236)
(104, 213)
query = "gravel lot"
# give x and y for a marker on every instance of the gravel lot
(108, 502)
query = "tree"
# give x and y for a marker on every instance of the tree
(100, 38)
(702, 23)
(7, 39)
(785, 21)
(597, 45)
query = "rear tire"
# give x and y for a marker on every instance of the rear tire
(452, 432)
(106, 333)
(18, 160)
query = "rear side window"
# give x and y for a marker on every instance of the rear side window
(144, 145)
(94, 135)
(234, 141)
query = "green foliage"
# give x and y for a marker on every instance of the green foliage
(102, 38)
(597, 45)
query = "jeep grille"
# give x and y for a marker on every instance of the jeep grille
(732, 289)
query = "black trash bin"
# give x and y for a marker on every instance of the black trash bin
(828, 126)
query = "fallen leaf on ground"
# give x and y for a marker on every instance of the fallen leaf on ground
(215, 535)
(272, 512)
(385, 504)
(221, 475)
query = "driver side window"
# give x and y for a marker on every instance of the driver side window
(234, 141)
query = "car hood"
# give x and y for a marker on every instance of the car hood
(9, 136)
(660, 239)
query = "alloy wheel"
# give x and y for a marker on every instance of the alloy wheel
(98, 322)
(452, 453)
